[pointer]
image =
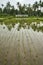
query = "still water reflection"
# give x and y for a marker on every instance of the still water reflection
(35, 26)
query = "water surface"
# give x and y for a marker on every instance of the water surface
(21, 45)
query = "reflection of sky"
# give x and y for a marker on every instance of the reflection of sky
(14, 2)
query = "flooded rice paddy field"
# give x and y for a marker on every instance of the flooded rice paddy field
(21, 45)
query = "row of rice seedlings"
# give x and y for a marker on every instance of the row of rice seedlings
(38, 43)
(30, 45)
(4, 55)
(38, 47)
(31, 58)
(19, 56)
(4, 62)
(24, 48)
(11, 42)
(35, 56)
(37, 38)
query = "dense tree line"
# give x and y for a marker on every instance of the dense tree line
(22, 9)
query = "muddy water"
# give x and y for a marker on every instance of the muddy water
(23, 47)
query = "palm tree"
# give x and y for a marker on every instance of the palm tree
(0, 10)
(2, 6)
(23, 9)
(29, 10)
(18, 3)
(35, 6)
(40, 2)
(12, 11)
(8, 6)
(19, 7)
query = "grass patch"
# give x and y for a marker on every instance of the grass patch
(10, 21)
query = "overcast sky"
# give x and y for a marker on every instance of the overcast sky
(14, 2)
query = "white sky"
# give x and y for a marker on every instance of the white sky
(14, 2)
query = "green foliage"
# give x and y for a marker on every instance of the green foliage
(22, 9)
